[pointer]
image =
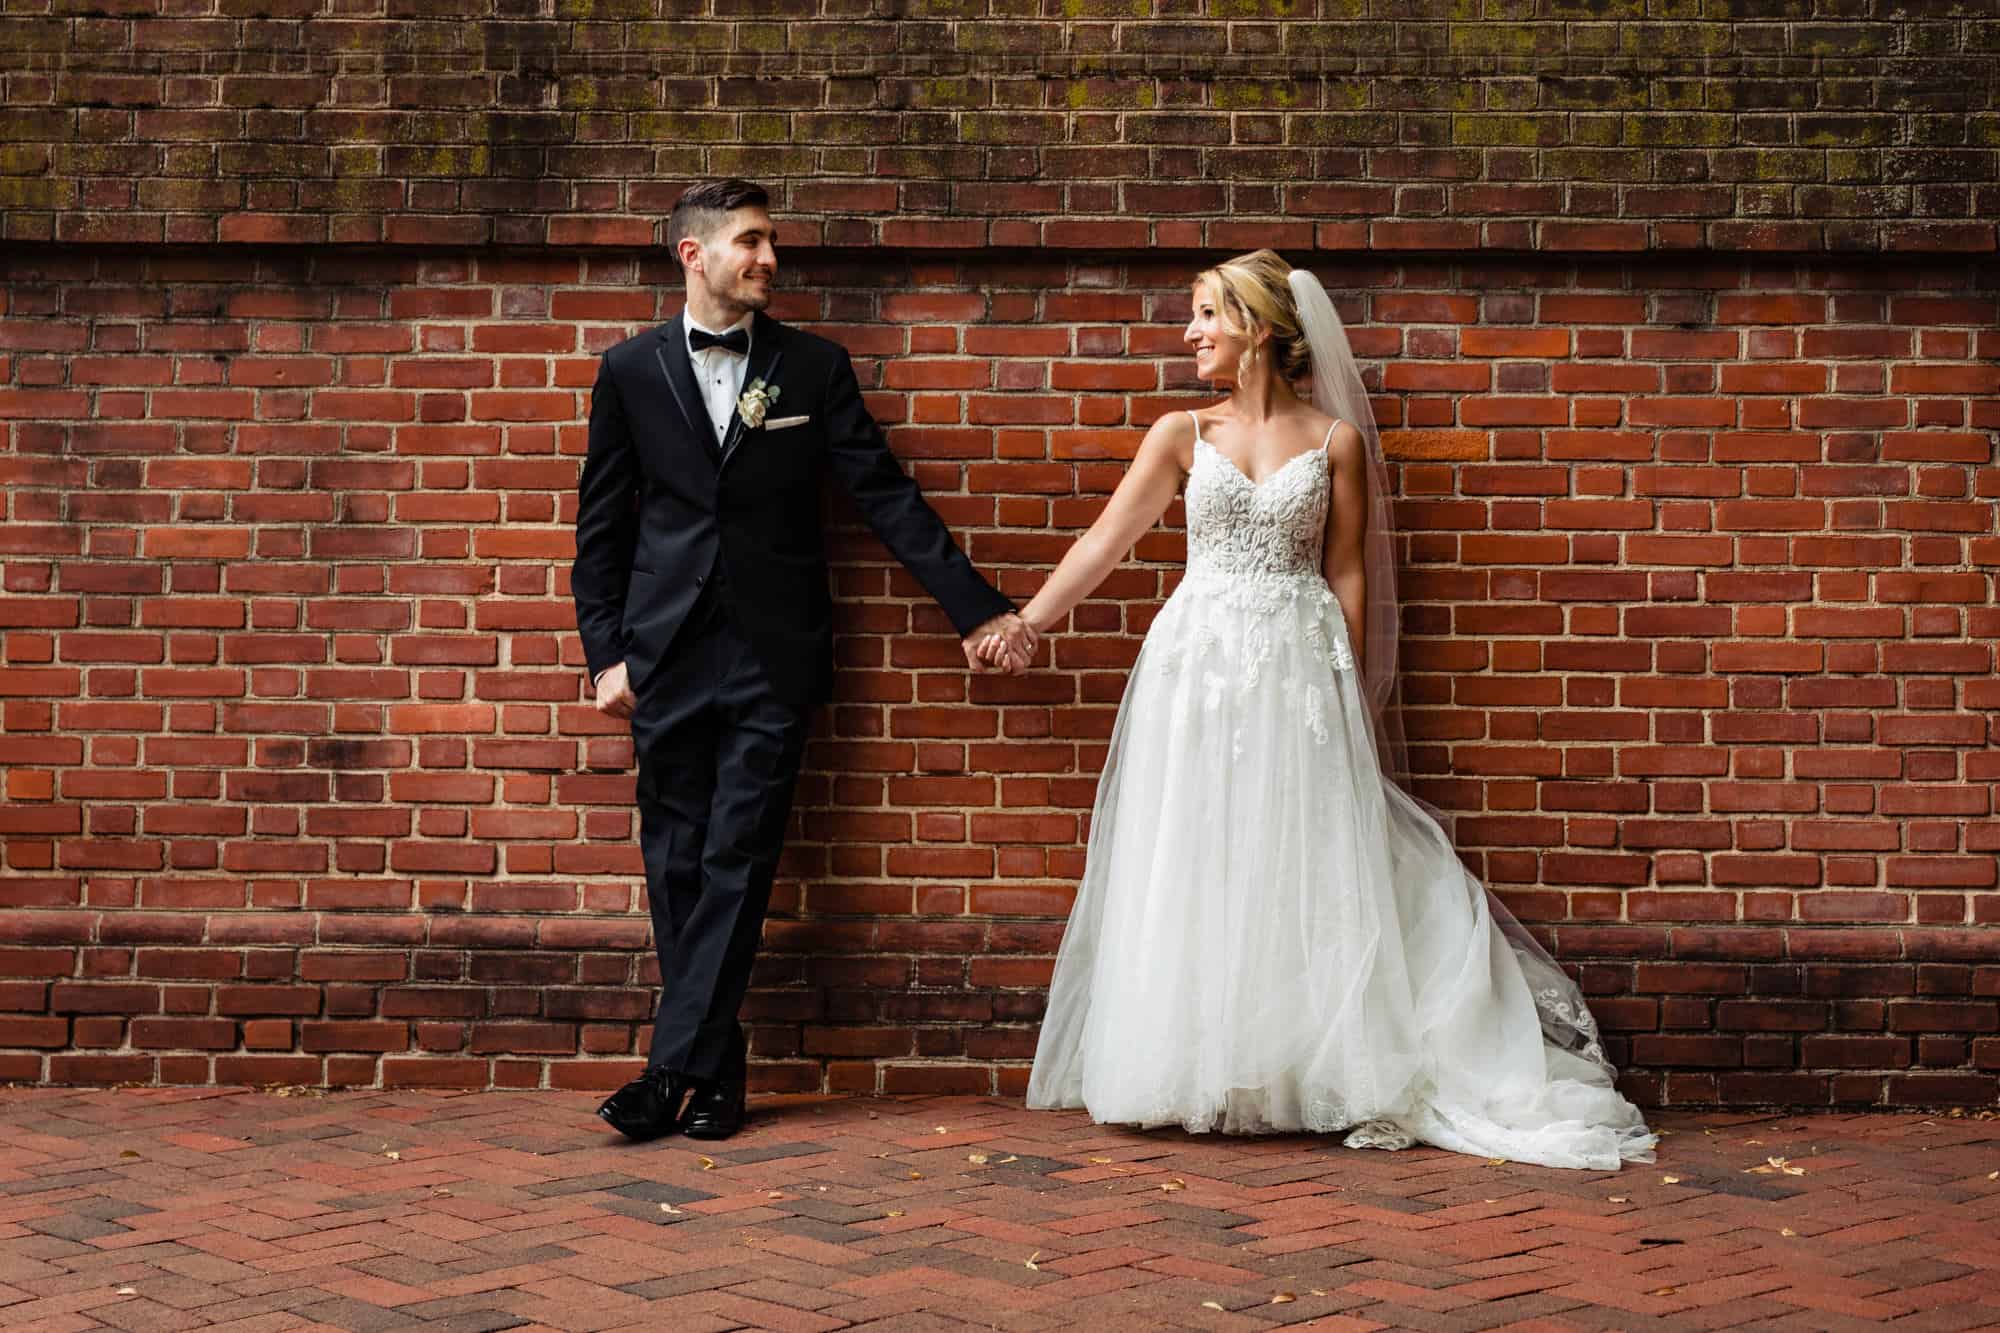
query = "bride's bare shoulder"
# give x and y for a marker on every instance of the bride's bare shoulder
(1345, 450)
(1173, 433)
(1313, 422)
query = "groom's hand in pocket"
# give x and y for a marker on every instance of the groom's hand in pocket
(614, 692)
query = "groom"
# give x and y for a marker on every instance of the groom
(701, 596)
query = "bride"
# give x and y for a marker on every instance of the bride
(1270, 934)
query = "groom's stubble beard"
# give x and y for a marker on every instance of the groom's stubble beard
(733, 289)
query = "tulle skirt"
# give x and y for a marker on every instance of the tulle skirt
(1271, 937)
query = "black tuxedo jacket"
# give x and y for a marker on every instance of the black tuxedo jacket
(661, 506)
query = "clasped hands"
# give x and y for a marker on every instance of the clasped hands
(1005, 643)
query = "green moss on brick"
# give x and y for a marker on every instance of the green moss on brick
(1595, 9)
(1848, 38)
(585, 93)
(770, 38)
(1244, 95)
(1329, 131)
(605, 10)
(1504, 39)
(1679, 130)
(35, 192)
(1108, 9)
(89, 159)
(355, 160)
(1110, 95)
(1597, 164)
(1846, 131)
(686, 127)
(1259, 9)
(1338, 39)
(1664, 40)
(431, 127)
(1853, 165)
(1606, 131)
(23, 159)
(944, 94)
(1507, 131)
(443, 160)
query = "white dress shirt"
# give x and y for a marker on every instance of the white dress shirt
(719, 373)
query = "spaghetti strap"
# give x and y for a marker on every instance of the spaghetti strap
(1197, 426)
(1329, 435)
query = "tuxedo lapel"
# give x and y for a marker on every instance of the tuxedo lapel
(671, 350)
(766, 351)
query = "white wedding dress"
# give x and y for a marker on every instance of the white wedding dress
(1269, 935)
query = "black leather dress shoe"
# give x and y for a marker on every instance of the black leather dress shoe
(715, 1111)
(648, 1106)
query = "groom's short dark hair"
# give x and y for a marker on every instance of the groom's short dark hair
(705, 206)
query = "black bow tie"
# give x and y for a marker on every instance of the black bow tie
(736, 340)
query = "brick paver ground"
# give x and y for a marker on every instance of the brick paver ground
(171, 1209)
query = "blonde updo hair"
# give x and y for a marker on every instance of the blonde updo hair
(1254, 292)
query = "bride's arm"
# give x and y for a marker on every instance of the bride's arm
(1143, 494)
(1346, 526)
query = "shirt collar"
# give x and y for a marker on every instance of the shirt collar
(690, 323)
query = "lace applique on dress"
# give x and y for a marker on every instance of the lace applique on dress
(1256, 546)
(1266, 533)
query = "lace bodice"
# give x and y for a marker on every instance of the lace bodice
(1265, 530)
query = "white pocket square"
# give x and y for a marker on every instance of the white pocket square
(779, 423)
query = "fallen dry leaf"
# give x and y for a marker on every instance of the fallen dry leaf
(916, 1175)
(128, 1153)
(894, 1212)
(1172, 1185)
(1031, 1260)
(1661, 1291)
(1496, 1161)
(774, 1194)
(669, 1208)
(1009, 1158)
(393, 1156)
(977, 1159)
(707, 1163)
(1619, 1198)
(1670, 1180)
(1786, 1231)
(128, 1291)
(1775, 1164)
(1210, 1305)
(1101, 1161)
(1283, 1298)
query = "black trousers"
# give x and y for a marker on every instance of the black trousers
(718, 760)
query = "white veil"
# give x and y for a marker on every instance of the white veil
(1337, 390)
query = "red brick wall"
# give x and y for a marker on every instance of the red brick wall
(1085, 124)
(300, 784)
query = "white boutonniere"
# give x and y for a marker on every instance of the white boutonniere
(756, 403)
